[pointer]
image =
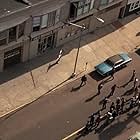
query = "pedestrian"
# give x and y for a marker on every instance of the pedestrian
(135, 83)
(131, 79)
(118, 100)
(92, 119)
(98, 119)
(100, 86)
(112, 107)
(113, 90)
(138, 106)
(122, 104)
(132, 102)
(83, 80)
(105, 102)
(112, 73)
(59, 56)
(133, 76)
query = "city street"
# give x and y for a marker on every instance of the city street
(60, 113)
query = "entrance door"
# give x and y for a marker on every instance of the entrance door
(46, 43)
(12, 57)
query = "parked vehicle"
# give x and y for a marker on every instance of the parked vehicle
(113, 63)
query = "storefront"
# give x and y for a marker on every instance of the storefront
(12, 57)
(46, 42)
(133, 6)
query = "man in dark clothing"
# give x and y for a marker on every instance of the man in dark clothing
(113, 90)
(83, 80)
(112, 107)
(122, 104)
(105, 102)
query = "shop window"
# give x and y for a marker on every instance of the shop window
(3, 38)
(12, 34)
(36, 23)
(21, 29)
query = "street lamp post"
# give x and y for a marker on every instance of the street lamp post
(81, 30)
(77, 54)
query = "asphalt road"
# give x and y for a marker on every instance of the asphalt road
(62, 112)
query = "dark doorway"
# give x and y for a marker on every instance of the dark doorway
(12, 57)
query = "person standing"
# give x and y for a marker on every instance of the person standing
(100, 86)
(122, 105)
(105, 101)
(112, 107)
(135, 83)
(83, 80)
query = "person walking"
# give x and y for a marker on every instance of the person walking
(133, 76)
(100, 86)
(135, 83)
(122, 104)
(113, 90)
(131, 79)
(83, 80)
(112, 73)
(59, 56)
(112, 107)
(138, 106)
(105, 101)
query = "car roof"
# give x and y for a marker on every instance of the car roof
(115, 58)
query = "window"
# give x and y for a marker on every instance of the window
(86, 6)
(51, 18)
(57, 16)
(134, 5)
(3, 38)
(21, 29)
(44, 21)
(92, 4)
(12, 34)
(36, 23)
(81, 7)
(105, 2)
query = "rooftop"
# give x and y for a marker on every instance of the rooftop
(9, 6)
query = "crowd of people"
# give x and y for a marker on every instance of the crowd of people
(117, 107)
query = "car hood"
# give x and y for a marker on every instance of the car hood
(103, 68)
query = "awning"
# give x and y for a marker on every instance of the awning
(11, 23)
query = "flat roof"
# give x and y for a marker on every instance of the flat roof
(9, 6)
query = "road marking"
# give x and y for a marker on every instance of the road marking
(66, 138)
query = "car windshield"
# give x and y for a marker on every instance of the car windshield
(109, 62)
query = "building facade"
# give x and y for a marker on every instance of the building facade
(29, 29)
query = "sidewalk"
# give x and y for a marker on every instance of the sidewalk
(26, 82)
